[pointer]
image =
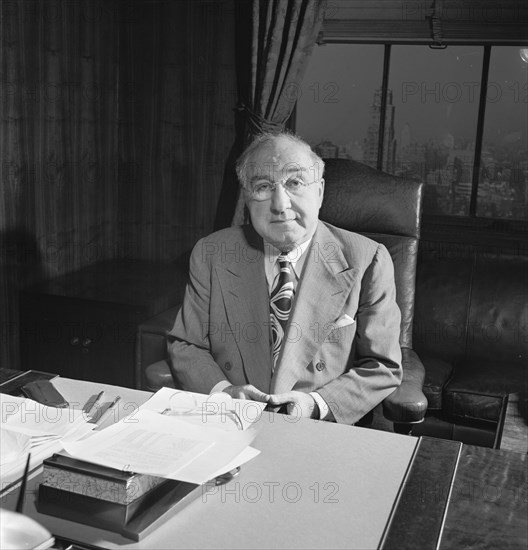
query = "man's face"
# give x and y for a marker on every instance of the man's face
(284, 220)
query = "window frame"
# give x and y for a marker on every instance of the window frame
(420, 33)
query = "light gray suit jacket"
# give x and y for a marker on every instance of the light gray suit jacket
(342, 338)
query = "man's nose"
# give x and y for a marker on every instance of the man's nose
(280, 200)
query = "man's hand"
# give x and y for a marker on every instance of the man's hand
(247, 391)
(299, 403)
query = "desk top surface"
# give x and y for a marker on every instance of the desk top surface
(324, 485)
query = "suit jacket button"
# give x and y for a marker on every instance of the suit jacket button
(227, 365)
(321, 365)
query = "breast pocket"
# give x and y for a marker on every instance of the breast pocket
(341, 332)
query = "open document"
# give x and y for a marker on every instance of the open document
(218, 410)
(178, 435)
(149, 442)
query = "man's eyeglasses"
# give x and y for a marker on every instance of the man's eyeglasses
(216, 409)
(262, 190)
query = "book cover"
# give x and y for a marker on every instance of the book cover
(12, 381)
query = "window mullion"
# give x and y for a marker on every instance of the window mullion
(480, 131)
(383, 106)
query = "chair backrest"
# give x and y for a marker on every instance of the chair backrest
(385, 208)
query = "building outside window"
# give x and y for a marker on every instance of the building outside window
(431, 131)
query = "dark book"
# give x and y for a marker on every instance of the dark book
(12, 381)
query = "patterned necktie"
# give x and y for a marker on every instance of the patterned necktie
(280, 305)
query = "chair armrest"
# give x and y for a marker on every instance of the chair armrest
(408, 404)
(158, 375)
(151, 344)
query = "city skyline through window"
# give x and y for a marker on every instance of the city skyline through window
(430, 120)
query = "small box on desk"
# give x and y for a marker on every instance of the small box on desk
(124, 502)
(68, 474)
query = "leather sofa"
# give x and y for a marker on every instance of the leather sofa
(471, 331)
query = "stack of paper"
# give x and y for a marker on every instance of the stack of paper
(13, 446)
(28, 426)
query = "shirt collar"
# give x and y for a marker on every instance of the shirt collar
(296, 257)
(271, 253)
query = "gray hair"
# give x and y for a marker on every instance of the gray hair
(268, 138)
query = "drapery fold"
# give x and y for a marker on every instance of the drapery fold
(283, 35)
(279, 42)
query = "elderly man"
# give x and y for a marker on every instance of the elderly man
(289, 310)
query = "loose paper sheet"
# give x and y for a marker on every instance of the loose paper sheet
(28, 417)
(150, 443)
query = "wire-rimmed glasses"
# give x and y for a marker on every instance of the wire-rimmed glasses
(263, 189)
(219, 406)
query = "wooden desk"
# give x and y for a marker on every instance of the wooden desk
(462, 496)
(321, 485)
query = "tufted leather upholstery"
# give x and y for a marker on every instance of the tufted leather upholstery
(470, 328)
(380, 206)
(384, 208)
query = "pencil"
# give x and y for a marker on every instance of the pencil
(22, 493)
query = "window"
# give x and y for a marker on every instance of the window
(436, 96)
(435, 121)
(333, 109)
(503, 181)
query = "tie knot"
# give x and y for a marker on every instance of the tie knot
(285, 270)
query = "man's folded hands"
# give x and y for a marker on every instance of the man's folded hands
(247, 391)
(297, 403)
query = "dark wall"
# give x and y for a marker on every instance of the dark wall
(117, 117)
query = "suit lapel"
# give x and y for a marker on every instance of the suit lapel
(325, 285)
(246, 300)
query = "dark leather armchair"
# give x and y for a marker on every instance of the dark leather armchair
(378, 205)
(388, 210)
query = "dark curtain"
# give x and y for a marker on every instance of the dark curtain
(58, 142)
(176, 122)
(275, 39)
(116, 120)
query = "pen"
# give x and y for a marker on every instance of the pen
(92, 405)
(115, 402)
(106, 414)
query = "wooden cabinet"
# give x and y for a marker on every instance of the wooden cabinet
(83, 325)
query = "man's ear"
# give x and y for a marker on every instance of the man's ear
(247, 217)
(321, 190)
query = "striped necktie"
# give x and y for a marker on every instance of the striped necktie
(280, 305)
